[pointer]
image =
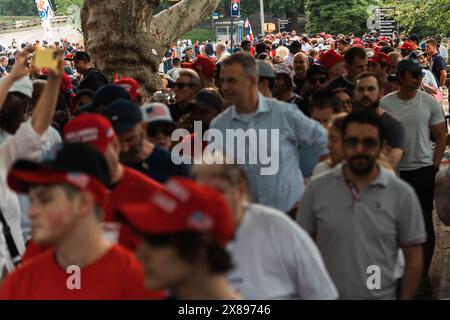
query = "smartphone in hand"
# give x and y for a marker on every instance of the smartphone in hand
(45, 58)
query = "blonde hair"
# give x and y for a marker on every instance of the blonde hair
(282, 52)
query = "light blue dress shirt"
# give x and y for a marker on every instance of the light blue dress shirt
(284, 188)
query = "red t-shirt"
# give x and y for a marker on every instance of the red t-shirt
(117, 275)
(133, 187)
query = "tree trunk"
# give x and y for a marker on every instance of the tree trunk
(123, 36)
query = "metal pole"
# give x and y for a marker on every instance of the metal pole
(261, 5)
(231, 32)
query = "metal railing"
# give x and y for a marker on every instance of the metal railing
(24, 24)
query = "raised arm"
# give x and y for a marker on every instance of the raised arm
(45, 108)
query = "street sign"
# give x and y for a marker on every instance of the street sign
(284, 25)
(269, 27)
(215, 15)
(385, 23)
(235, 8)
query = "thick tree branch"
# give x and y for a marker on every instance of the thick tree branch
(180, 18)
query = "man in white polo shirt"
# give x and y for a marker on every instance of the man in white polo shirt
(360, 214)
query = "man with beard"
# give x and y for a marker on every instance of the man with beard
(283, 87)
(301, 65)
(360, 214)
(136, 150)
(367, 95)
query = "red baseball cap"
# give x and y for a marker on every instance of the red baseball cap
(205, 65)
(359, 46)
(357, 41)
(330, 58)
(130, 85)
(408, 45)
(76, 164)
(93, 129)
(181, 206)
(380, 57)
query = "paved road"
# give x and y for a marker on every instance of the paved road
(38, 34)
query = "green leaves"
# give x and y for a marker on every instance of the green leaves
(424, 17)
(337, 16)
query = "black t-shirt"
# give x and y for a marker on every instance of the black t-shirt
(395, 131)
(93, 80)
(299, 85)
(159, 166)
(2, 71)
(437, 65)
(177, 112)
(341, 82)
(301, 104)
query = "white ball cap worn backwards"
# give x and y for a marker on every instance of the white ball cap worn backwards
(156, 111)
(23, 86)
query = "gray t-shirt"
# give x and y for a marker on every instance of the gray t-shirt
(395, 132)
(358, 232)
(417, 116)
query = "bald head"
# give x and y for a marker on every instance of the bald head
(301, 65)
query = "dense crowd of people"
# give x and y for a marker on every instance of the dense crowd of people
(327, 194)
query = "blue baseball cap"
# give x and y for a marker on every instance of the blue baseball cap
(123, 115)
(104, 96)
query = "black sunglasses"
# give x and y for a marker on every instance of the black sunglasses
(181, 85)
(367, 143)
(320, 80)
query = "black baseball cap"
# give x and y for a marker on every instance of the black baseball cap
(208, 99)
(316, 69)
(104, 96)
(79, 55)
(76, 164)
(123, 115)
(411, 65)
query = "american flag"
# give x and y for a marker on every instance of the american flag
(439, 96)
(155, 111)
(248, 30)
(199, 221)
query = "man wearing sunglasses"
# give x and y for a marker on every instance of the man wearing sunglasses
(421, 115)
(316, 80)
(187, 85)
(360, 215)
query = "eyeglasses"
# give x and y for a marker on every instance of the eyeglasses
(181, 85)
(320, 80)
(367, 143)
(154, 130)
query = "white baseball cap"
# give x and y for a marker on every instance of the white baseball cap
(156, 111)
(23, 86)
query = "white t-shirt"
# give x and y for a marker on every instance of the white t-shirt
(429, 78)
(275, 259)
(443, 52)
(417, 116)
(26, 143)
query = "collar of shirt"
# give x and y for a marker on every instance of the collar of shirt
(381, 180)
(262, 108)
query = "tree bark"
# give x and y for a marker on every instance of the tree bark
(124, 37)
